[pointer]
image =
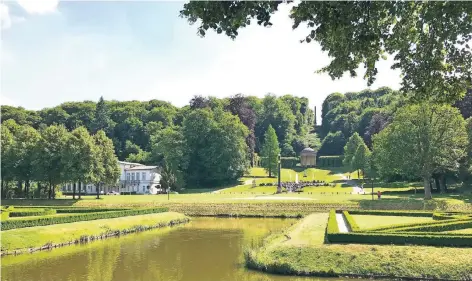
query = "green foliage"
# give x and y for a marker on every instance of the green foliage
(330, 161)
(361, 159)
(352, 225)
(4, 215)
(289, 162)
(27, 212)
(270, 152)
(416, 233)
(332, 226)
(333, 144)
(409, 213)
(106, 170)
(431, 50)
(431, 138)
(41, 221)
(351, 148)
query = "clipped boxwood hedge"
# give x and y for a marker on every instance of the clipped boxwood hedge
(400, 238)
(27, 212)
(41, 221)
(351, 222)
(438, 227)
(87, 210)
(332, 223)
(393, 213)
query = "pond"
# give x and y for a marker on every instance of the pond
(206, 249)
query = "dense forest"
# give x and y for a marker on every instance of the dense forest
(209, 142)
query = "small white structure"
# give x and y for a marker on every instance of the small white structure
(135, 178)
(308, 157)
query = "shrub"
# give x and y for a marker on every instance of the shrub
(87, 210)
(289, 162)
(330, 161)
(27, 212)
(400, 238)
(351, 222)
(40, 221)
(393, 213)
(438, 227)
(332, 223)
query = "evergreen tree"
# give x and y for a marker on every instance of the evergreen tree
(102, 120)
(361, 159)
(270, 151)
(106, 167)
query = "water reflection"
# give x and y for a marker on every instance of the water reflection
(207, 249)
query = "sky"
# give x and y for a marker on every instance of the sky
(56, 51)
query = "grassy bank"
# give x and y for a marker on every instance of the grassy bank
(301, 250)
(34, 237)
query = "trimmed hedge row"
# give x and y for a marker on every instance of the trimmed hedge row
(351, 222)
(41, 221)
(88, 210)
(332, 226)
(418, 238)
(330, 161)
(449, 216)
(445, 226)
(394, 227)
(27, 212)
(400, 238)
(393, 213)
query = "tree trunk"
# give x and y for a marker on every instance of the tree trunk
(358, 176)
(27, 188)
(20, 188)
(73, 190)
(427, 189)
(39, 189)
(98, 190)
(80, 190)
(50, 191)
(442, 183)
(4, 194)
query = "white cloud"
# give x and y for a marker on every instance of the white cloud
(5, 19)
(38, 6)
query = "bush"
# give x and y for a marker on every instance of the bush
(40, 221)
(87, 210)
(330, 161)
(392, 213)
(351, 222)
(289, 162)
(439, 227)
(332, 223)
(28, 212)
(400, 238)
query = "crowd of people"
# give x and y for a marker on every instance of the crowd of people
(295, 187)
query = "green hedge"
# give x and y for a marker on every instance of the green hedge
(351, 222)
(40, 221)
(330, 161)
(28, 212)
(287, 162)
(332, 223)
(438, 227)
(87, 210)
(400, 238)
(451, 215)
(393, 213)
(395, 227)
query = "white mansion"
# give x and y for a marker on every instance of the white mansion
(135, 178)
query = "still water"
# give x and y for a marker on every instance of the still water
(206, 249)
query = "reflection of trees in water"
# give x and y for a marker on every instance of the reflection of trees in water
(206, 249)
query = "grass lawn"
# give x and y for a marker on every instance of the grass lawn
(305, 253)
(29, 237)
(368, 221)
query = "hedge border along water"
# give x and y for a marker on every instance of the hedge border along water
(42, 221)
(29, 212)
(401, 238)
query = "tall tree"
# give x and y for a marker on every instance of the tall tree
(350, 149)
(25, 150)
(333, 144)
(81, 158)
(239, 106)
(270, 151)
(51, 160)
(8, 159)
(428, 40)
(106, 169)
(102, 120)
(361, 160)
(421, 140)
